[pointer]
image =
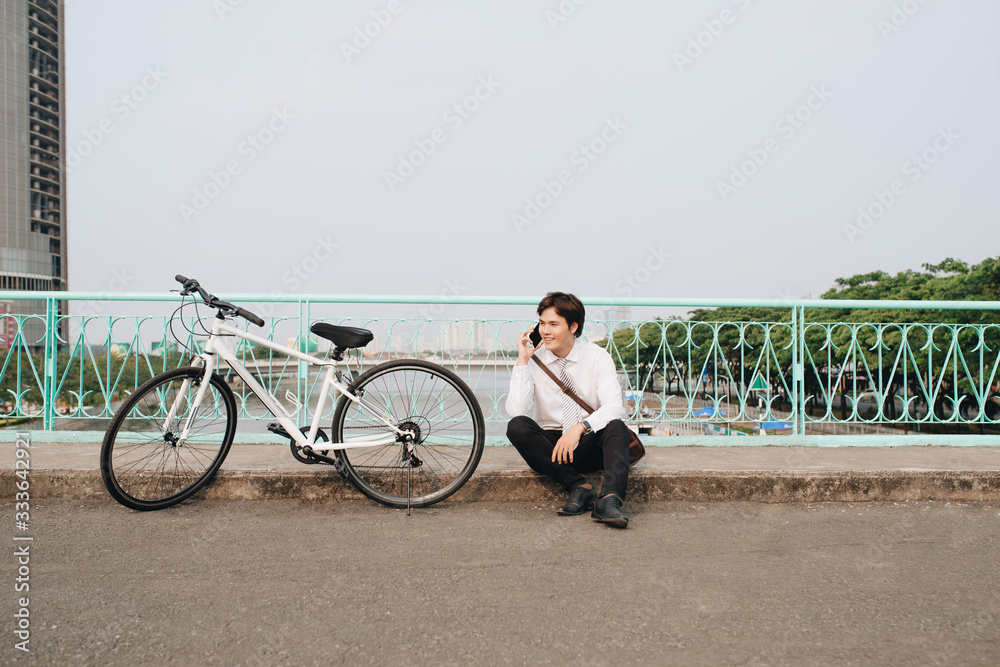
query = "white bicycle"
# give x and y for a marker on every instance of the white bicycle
(405, 433)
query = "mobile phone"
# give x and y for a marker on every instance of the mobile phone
(535, 337)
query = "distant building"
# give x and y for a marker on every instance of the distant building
(32, 145)
(617, 316)
(380, 346)
(467, 337)
(401, 344)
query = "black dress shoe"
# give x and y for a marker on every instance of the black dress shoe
(608, 510)
(580, 500)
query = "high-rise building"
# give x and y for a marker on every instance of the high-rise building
(467, 337)
(32, 155)
(617, 317)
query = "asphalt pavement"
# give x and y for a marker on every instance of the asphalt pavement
(296, 583)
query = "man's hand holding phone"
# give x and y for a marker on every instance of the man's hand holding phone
(527, 345)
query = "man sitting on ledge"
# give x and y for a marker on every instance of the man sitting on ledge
(561, 440)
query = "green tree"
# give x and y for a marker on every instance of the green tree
(735, 342)
(938, 334)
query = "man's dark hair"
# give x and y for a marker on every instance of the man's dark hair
(567, 306)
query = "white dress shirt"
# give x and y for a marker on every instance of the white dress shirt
(594, 377)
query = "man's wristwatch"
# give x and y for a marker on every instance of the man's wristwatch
(586, 427)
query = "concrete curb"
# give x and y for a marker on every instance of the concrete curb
(525, 486)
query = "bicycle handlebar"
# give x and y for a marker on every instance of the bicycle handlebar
(192, 285)
(249, 317)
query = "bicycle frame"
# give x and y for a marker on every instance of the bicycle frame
(331, 381)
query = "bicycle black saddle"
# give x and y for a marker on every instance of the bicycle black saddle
(343, 337)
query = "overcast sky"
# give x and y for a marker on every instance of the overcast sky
(647, 149)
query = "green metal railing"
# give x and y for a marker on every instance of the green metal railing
(800, 378)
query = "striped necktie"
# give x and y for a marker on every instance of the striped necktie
(572, 414)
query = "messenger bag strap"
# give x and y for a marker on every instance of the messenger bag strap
(562, 385)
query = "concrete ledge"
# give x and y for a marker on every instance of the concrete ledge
(692, 474)
(324, 485)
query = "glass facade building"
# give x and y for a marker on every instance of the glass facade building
(32, 151)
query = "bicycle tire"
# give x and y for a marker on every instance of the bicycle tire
(141, 467)
(441, 462)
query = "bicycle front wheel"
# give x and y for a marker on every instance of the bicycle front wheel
(441, 413)
(144, 463)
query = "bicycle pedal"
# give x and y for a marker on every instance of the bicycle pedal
(278, 429)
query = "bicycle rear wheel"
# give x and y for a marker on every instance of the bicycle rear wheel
(143, 463)
(442, 413)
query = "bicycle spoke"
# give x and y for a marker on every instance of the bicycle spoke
(146, 468)
(429, 402)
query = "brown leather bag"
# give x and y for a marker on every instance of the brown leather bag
(635, 449)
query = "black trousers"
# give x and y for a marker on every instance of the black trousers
(605, 450)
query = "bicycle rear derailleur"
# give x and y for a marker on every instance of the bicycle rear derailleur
(412, 436)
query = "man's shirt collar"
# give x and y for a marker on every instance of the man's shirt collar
(575, 354)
